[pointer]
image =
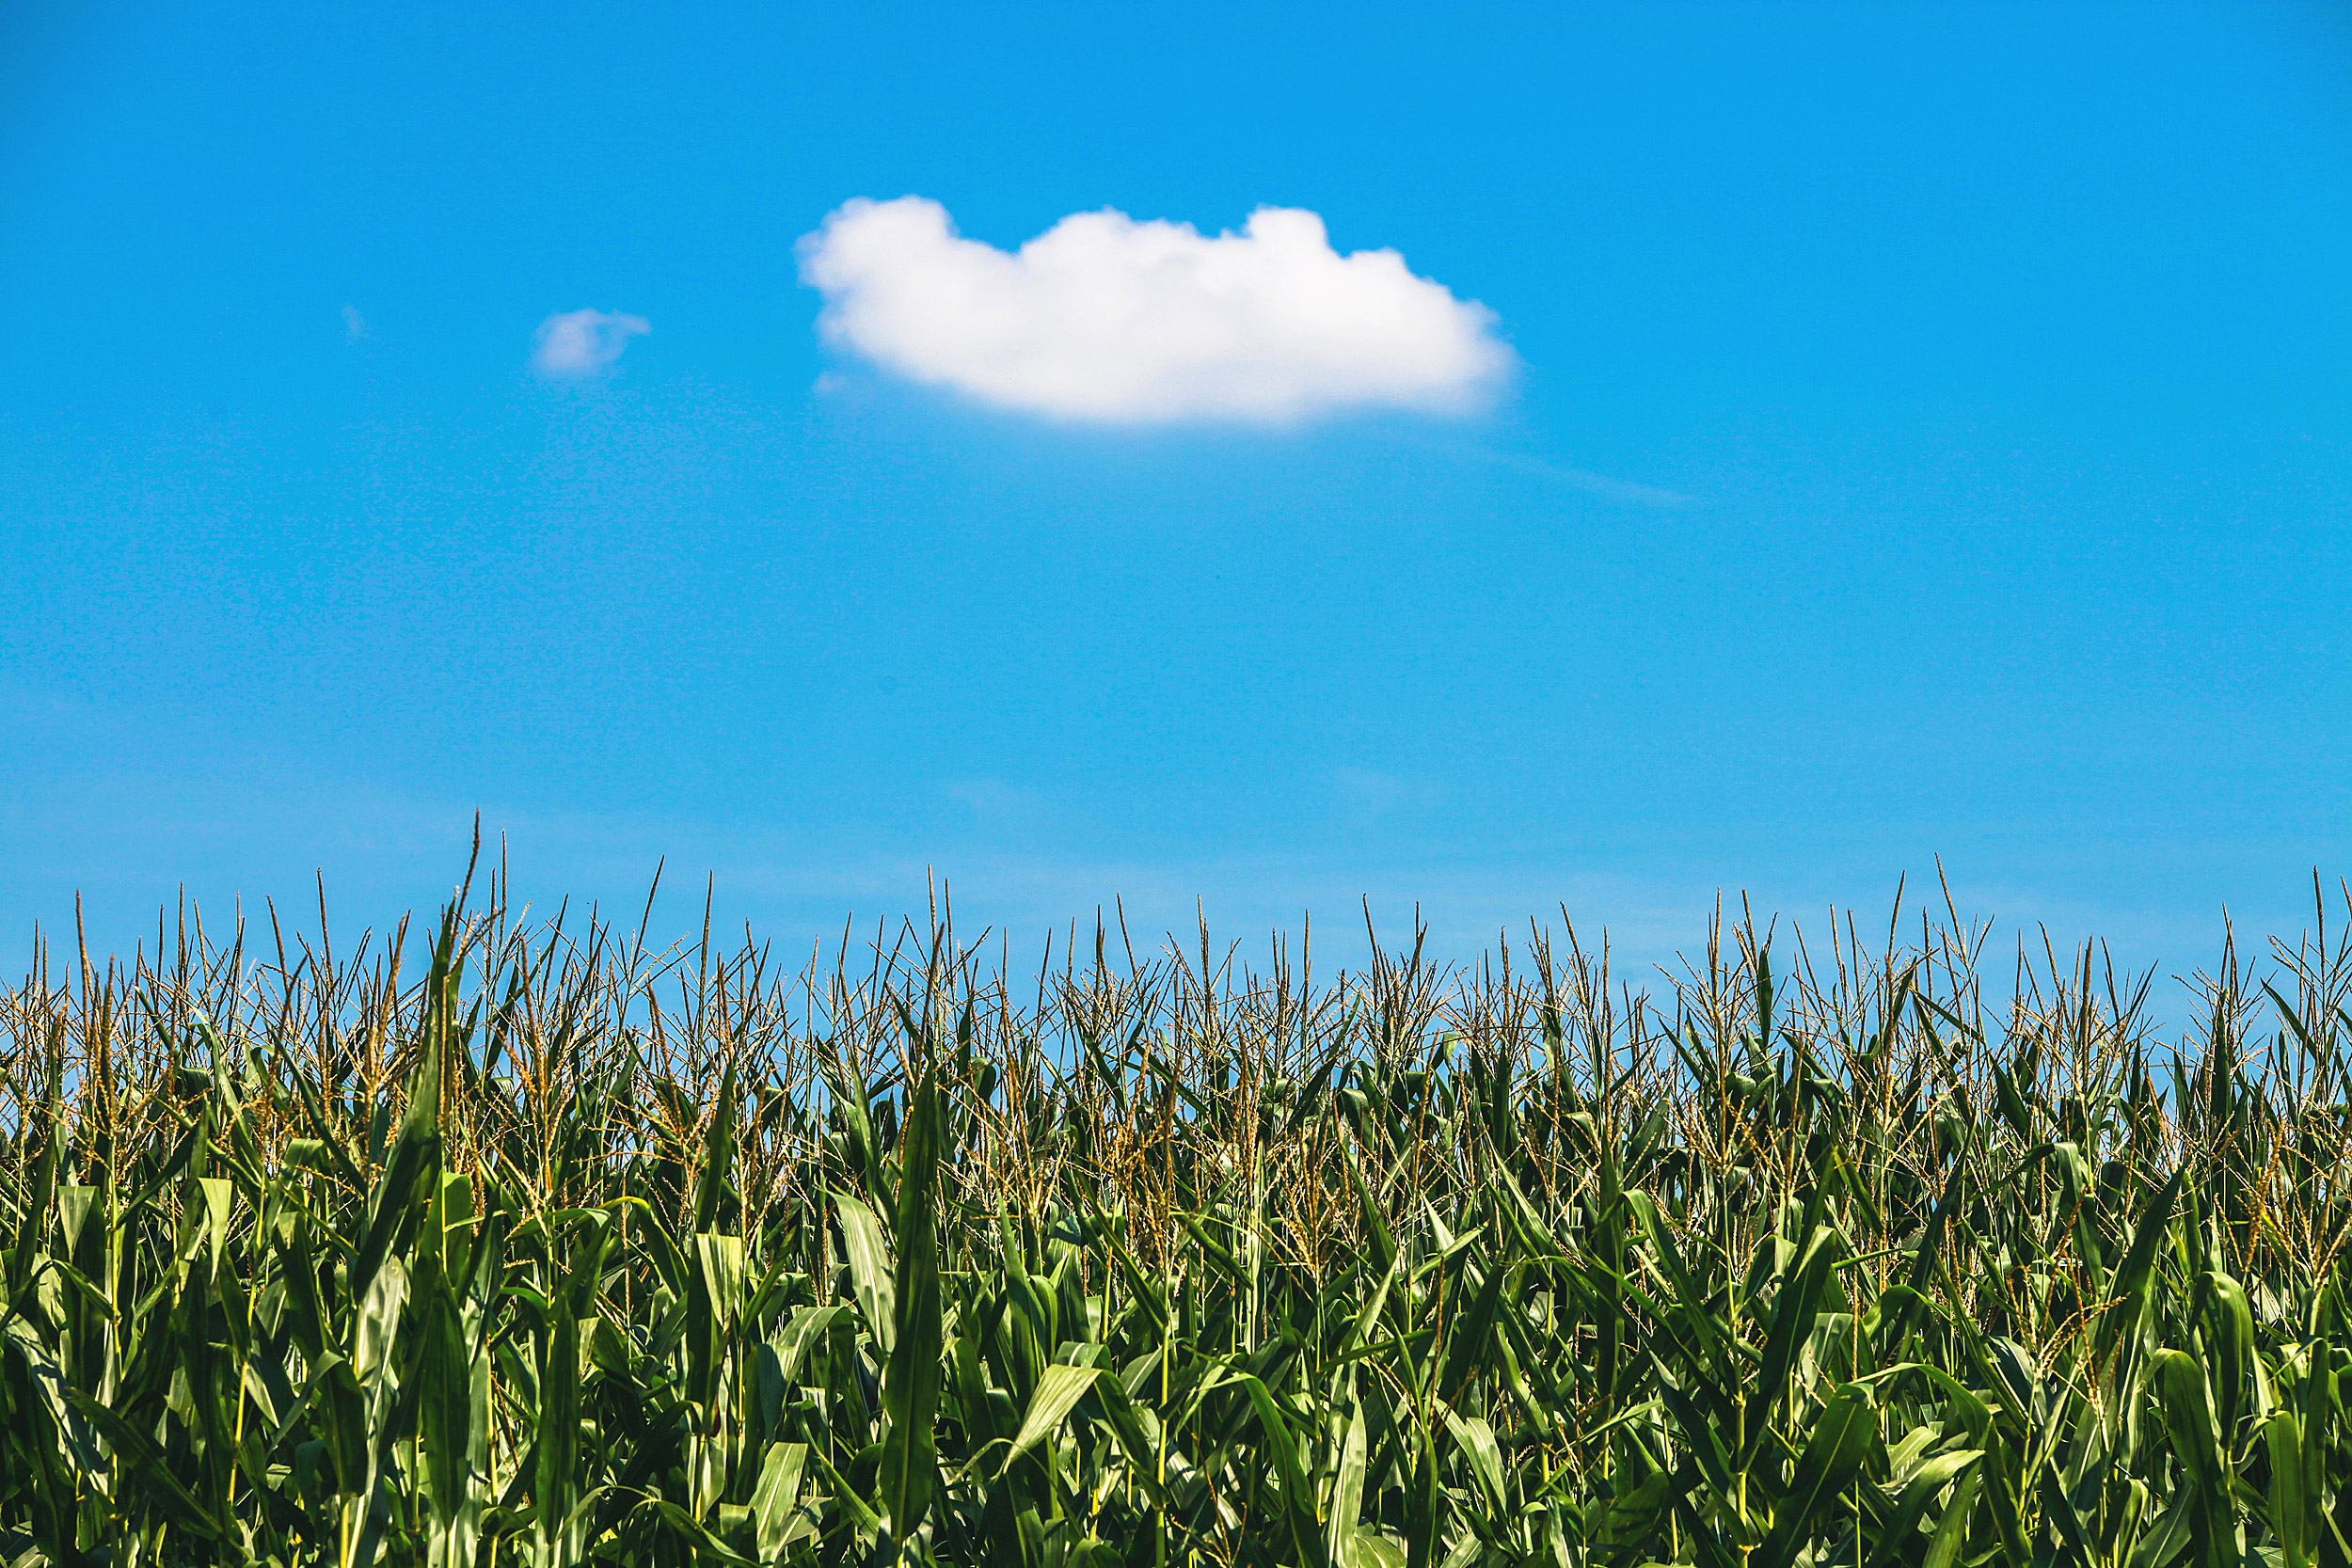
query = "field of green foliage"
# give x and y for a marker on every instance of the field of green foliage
(544, 1248)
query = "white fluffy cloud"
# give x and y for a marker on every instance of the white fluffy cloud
(1106, 319)
(580, 345)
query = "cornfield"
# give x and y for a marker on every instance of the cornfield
(519, 1242)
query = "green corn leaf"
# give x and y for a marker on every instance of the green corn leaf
(393, 1206)
(1470, 1339)
(2126, 1291)
(1281, 1447)
(1794, 1315)
(1842, 1438)
(911, 1381)
(1342, 1529)
(557, 1493)
(2230, 1339)
(1899, 1538)
(871, 1278)
(2282, 1437)
(1059, 1392)
(2180, 1384)
(1476, 1440)
(1952, 1531)
(775, 1501)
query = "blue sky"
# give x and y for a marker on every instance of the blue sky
(1931, 434)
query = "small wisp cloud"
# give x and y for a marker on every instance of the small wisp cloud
(582, 345)
(1104, 319)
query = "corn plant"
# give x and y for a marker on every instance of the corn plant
(524, 1244)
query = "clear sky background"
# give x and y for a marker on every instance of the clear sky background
(1931, 434)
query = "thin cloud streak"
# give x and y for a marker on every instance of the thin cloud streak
(1604, 487)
